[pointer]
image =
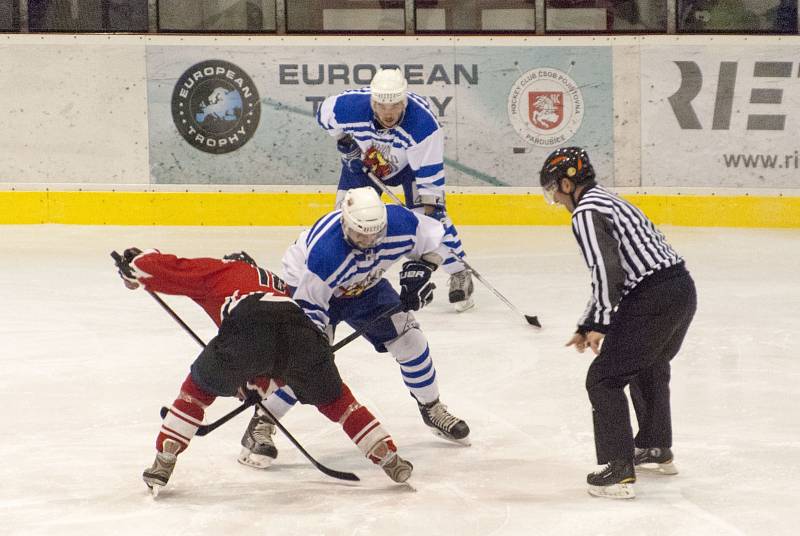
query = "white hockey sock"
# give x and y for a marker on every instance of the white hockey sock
(411, 352)
(280, 402)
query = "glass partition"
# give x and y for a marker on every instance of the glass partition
(753, 16)
(217, 15)
(345, 16)
(389, 16)
(606, 16)
(9, 20)
(87, 15)
(474, 16)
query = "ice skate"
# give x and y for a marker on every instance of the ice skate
(395, 467)
(157, 475)
(443, 423)
(461, 288)
(614, 481)
(258, 448)
(655, 460)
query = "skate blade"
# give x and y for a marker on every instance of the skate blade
(154, 489)
(407, 486)
(667, 469)
(256, 461)
(464, 441)
(465, 305)
(615, 491)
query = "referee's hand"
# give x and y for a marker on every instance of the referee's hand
(578, 340)
(593, 340)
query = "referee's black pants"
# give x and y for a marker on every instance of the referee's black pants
(646, 333)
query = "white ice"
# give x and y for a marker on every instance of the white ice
(86, 364)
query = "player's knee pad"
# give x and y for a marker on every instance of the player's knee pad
(339, 409)
(410, 344)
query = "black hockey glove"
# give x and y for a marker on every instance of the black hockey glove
(124, 270)
(240, 256)
(351, 153)
(254, 390)
(416, 290)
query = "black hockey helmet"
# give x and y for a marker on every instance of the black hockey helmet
(568, 162)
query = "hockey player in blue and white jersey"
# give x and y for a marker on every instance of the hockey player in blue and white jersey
(393, 133)
(335, 273)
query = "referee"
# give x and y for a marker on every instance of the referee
(643, 300)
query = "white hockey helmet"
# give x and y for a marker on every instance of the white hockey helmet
(363, 217)
(388, 86)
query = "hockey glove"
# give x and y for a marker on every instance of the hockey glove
(416, 290)
(255, 389)
(240, 256)
(351, 153)
(377, 163)
(124, 266)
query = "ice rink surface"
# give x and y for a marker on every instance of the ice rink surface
(86, 364)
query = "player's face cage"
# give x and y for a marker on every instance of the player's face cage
(365, 240)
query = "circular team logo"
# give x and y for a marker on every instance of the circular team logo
(545, 107)
(215, 106)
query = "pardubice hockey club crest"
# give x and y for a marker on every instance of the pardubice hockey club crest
(545, 107)
(215, 106)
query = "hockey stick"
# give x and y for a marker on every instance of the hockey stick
(118, 259)
(341, 475)
(210, 427)
(177, 319)
(530, 319)
(205, 429)
(360, 331)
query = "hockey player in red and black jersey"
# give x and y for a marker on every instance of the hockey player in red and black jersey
(264, 341)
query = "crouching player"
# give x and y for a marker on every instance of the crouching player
(264, 340)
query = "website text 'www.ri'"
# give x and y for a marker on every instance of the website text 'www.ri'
(762, 161)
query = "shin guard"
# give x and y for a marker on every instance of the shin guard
(184, 416)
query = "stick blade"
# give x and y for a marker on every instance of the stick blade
(341, 475)
(533, 321)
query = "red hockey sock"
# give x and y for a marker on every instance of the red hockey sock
(358, 422)
(185, 415)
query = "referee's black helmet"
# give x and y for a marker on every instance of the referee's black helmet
(567, 163)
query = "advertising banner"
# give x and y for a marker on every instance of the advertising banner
(245, 114)
(720, 116)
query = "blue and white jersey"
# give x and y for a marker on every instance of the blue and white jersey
(322, 265)
(417, 141)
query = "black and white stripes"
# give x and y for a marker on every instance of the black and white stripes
(621, 247)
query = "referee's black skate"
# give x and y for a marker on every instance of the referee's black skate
(258, 448)
(443, 423)
(655, 460)
(614, 481)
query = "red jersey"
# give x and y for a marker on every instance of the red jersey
(211, 283)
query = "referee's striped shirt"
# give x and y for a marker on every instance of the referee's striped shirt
(621, 247)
